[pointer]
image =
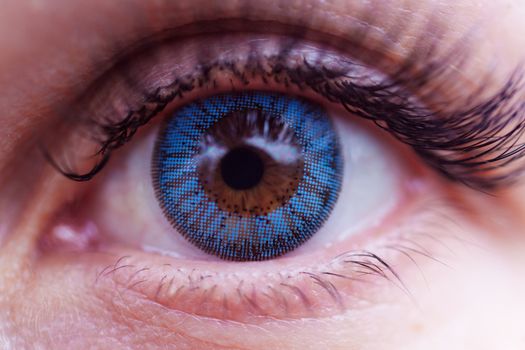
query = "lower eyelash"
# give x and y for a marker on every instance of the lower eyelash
(293, 296)
(347, 281)
(478, 145)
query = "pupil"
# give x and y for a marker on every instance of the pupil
(242, 168)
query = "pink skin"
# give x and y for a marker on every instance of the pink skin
(68, 281)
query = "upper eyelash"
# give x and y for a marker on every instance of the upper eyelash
(471, 144)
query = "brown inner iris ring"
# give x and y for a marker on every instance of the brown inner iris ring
(250, 163)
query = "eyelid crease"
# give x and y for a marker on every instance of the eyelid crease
(475, 143)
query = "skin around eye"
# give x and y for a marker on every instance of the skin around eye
(63, 286)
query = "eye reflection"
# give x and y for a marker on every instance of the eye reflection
(248, 176)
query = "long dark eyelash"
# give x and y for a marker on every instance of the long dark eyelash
(477, 144)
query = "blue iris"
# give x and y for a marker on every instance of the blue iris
(247, 176)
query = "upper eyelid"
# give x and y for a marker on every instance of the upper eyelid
(412, 74)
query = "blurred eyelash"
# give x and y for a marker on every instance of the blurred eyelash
(469, 139)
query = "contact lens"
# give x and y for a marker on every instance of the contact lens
(247, 176)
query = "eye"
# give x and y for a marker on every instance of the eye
(188, 204)
(258, 189)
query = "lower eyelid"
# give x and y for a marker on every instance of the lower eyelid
(279, 289)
